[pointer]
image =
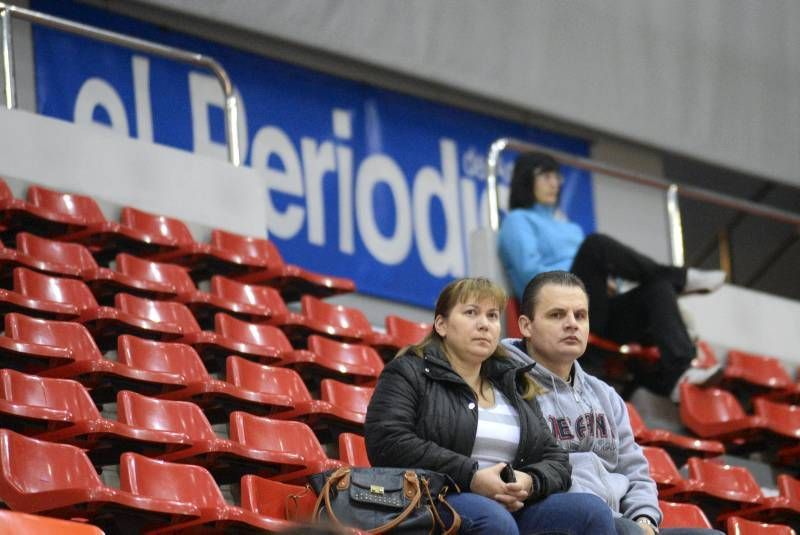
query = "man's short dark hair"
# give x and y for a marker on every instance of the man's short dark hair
(531, 294)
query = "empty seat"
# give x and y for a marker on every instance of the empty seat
(351, 363)
(258, 342)
(12, 522)
(749, 375)
(28, 354)
(781, 419)
(150, 479)
(217, 398)
(18, 414)
(48, 256)
(103, 377)
(277, 500)
(740, 526)
(341, 322)
(353, 450)
(131, 275)
(293, 438)
(781, 509)
(679, 447)
(58, 480)
(682, 515)
(714, 413)
(104, 439)
(406, 332)
(719, 489)
(269, 268)
(226, 459)
(32, 295)
(662, 468)
(48, 212)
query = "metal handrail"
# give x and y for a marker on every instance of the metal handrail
(192, 58)
(672, 191)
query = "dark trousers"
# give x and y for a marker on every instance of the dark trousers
(648, 314)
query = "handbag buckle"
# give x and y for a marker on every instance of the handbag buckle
(376, 489)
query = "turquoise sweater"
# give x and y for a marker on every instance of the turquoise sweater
(536, 239)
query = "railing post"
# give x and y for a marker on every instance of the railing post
(492, 161)
(675, 226)
(232, 128)
(8, 59)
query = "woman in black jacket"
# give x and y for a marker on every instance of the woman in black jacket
(456, 405)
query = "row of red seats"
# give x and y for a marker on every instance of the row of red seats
(79, 219)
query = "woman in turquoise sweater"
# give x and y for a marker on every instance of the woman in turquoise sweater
(536, 236)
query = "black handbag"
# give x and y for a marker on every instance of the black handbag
(382, 500)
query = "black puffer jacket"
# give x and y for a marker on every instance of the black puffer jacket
(423, 415)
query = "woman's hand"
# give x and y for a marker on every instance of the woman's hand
(487, 482)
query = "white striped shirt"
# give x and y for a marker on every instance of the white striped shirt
(497, 438)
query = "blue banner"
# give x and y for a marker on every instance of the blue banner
(362, 182)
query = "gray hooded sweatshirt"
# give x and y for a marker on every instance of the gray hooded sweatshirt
(590, 421)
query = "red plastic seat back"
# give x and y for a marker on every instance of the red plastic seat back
(12, 522)
(662, 467)
(335, 315)
(353, 450)
(739, 526)
(29, 466)
(758, 369)
(47, 392)
(267, 379)
(348, 397)
(780, 415)
(247, 293)
(789, 488)
(163, 415)
(185, 483)
(353, 354)
(247, 246)
(5, 191)
(277, 500)
(637, 424)
(140, 268)
(73, 255)
(406, 332)
(683, 515)
(47, 288)
(707, 405)
(80, 209)
(171, 357)
(512, 316)
(164, 229)
(275, 435)
(158, 311)
(733, 482)
(68, 334)
(251, 333)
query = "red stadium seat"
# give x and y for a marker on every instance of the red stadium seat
(720, 489)
(353, 450)
(14, 522)
(405, 332)
(53, 257)
(59, 480)
(266, 266)
(277, 500)
(291, 438)
(351, 363)
(713, 413)
(131, 275)
(682, 515)
(103, 377)
(343, 323)
(679, 447)
(781, 509)
(48, 212)
(217, 398)
(662, 468)
(19, 414)
(27, 354)
(749, 375)
(33, 295)
(740, 526)
(254, 303)
(226, 459)
(157, 480)
(269, 344)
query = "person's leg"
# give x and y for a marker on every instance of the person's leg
(626, 526)
(479, 515)
(600, 257)
(690, 531)
(566, 513)
(649, 314)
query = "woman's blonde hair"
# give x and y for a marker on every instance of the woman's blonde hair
(462, 291)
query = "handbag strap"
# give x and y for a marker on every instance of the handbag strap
(294, 499)
(456, 525)
(325, 496)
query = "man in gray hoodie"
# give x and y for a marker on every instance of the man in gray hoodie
(587, 416)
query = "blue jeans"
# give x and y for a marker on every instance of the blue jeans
(558, 514)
